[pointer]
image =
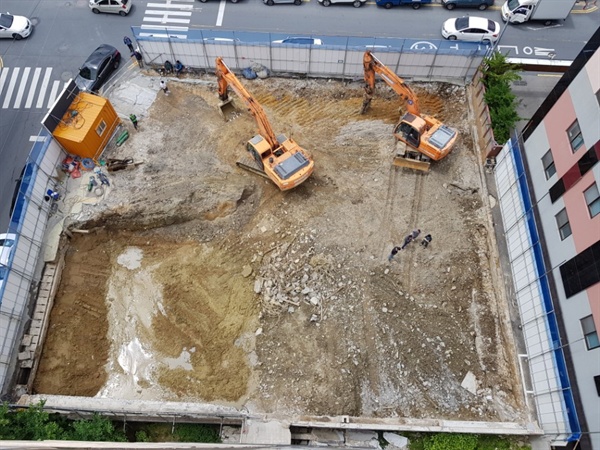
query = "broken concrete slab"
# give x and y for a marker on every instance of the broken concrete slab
(396, 440)
(266, 432)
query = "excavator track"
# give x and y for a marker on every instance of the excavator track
(251, 166)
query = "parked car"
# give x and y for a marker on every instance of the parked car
(481, 5)
(97, 68)
(387, 4)
(475, 29)
(355, 3)
(7, 242)
(273, 2)
(120, 7)
(299, 41)
(14, 27)
(7, 246)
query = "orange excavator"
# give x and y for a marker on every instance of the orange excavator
(277, 158)
(421, 138)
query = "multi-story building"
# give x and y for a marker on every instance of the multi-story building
(548, 183)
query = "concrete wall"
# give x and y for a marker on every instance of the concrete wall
(338, 57)
(28, 222)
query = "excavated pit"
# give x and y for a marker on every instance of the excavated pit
(201, 282)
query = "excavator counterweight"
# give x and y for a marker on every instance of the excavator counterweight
(276, 157)
(420, 133)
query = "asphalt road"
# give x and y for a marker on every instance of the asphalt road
(66, 32)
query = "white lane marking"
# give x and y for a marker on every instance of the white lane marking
(169, 5)
(169, 13)
(11, 87)
(153, 27)
(53, 92)
(22, 85)
(165, 20)
(38, 138)
(159, 35)
(3, 76)
(221, 12)
(33, 87)
(45, 82)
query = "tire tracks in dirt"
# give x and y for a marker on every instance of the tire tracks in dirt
(413, 219)
(391, 195)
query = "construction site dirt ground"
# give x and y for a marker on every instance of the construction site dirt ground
(202, 282)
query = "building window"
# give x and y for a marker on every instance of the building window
(564, 227)
(575, 138)
(589, 332)
(101, 127)
(592, 198)
(548, 163)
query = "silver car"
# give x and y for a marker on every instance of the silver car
(121, 7)
(273, 2)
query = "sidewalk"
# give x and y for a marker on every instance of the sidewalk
(585, 7)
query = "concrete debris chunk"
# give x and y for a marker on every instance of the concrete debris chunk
(258, 332)
(257, 286)
(314, 301)
(362, 439)
(469, 383)
(246, 271)
(396, 440)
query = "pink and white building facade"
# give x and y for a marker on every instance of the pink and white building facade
(548, 186)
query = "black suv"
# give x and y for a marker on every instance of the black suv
(97, 68)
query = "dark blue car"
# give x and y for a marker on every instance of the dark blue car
(387, 4)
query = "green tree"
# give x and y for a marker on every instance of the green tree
(498, 74)
(496, 68)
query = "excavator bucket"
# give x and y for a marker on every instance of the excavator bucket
(227, 109)
(401, 161)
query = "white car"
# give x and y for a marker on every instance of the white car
(474, 29)
(7, 245)
(355, 3)
(14, 27)
(120, 7)
(299, 41)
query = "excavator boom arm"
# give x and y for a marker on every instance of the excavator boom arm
(373, 66)
(226, 78)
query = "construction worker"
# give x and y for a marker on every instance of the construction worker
(134, 120)
(426, 240)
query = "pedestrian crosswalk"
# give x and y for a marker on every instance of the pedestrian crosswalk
(28, 87)
(167, 19)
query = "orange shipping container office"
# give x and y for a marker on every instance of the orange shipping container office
(87, 126)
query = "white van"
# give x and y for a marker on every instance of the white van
(121, 7)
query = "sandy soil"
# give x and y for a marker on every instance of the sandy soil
(203, 282)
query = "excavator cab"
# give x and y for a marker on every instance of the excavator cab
(409, 134)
